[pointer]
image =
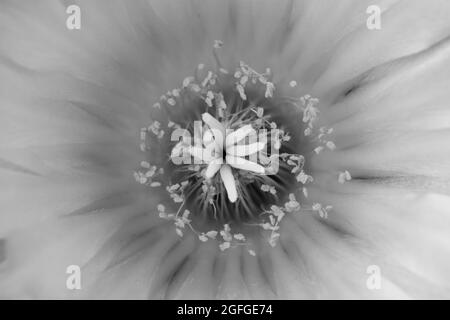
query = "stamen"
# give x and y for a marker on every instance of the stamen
(232, 159)
(344, 176)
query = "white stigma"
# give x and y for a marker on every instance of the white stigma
(217, 142)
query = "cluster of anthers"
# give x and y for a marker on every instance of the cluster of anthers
(241, 164)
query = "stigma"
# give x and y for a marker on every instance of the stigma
(222, 151)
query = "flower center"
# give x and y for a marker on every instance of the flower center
(228, 152)
(229, 148)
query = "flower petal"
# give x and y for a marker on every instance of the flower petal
(228, 182)
(241, 163)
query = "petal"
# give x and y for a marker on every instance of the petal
(213, 167)
(241, 163)
(228, 182)
(364, 45)
(239, 134)
(245, 149)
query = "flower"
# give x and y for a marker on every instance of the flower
(79, 186)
